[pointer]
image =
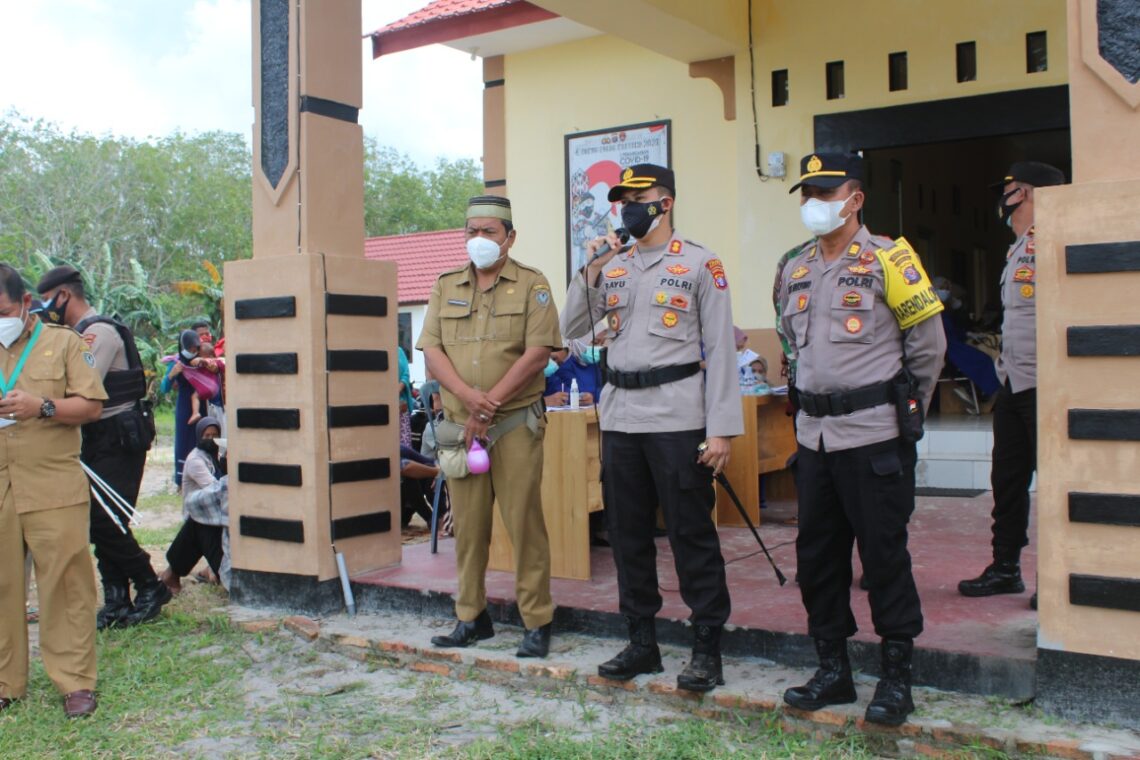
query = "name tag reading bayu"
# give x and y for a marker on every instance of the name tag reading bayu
(456, 302)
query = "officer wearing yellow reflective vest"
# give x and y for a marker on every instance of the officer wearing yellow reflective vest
(856, 310)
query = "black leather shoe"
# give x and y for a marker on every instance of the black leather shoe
(149, 602)
(704, 671)
(1002, 577)
(832, 683)
(892, 701)
(116, 607)
(535, 643)
(467, 632)
(640, 656)
(1033, 601)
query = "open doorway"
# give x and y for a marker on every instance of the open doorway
(937, 196)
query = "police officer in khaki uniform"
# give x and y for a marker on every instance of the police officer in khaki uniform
(50, 388)
(859, 315)
(662, 301)
(487, 336)
(1015, 408)
(114, 447)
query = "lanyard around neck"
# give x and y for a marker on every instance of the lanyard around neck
(6, 384)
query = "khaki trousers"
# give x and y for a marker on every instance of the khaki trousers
(65, 578)
(515, 479)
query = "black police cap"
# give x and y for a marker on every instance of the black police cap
(641, 176)
(1032, 173)
(828, 170)
(56, 277)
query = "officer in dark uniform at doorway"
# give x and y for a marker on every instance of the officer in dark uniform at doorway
(114, 447)
(856, 311)
(662, 301)
(1015, 408)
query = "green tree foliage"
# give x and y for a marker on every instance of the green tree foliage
(400, 197)
(150, 223)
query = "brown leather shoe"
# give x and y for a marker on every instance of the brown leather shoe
(79, 704)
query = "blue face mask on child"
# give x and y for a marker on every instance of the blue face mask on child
(591, 354)
(551, 368)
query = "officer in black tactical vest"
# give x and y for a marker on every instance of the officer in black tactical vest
(114, 447)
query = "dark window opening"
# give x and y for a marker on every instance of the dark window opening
(835, 89)
(1036, 52)
(896, 66)
(920, 197)
(967, 61)
(956, 200)
(780, 88)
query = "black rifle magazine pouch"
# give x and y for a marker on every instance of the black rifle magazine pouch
(908, 407)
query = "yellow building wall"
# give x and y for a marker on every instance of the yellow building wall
(602, 82)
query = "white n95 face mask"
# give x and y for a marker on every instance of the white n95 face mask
(483, 252)
(822, 217)
(10, 330)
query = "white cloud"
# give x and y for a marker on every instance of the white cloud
(142, 68)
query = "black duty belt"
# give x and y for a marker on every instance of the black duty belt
(651, 378)
(845, 402)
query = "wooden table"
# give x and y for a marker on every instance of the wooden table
(570, 492)
(769, 439)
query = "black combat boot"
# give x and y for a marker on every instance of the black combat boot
(150, 596)
(641, 655)
(467, 633)
(892, 702)
(704, 672)
(832, 683)
(1001, 577)
(116, 607)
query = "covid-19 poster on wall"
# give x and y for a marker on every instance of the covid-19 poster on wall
(594, 161)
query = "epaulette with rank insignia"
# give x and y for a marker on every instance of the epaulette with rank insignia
(527, 267)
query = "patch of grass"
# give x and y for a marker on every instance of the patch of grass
(155, 537)
(159, 684)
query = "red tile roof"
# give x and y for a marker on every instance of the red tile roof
(421, 257)
(447, 20)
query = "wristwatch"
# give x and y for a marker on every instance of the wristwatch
(47, 408)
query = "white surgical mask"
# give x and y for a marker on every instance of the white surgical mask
(10, 329)
(822, 217)
(483, 252)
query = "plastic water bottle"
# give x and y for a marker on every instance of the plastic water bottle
(574, 393)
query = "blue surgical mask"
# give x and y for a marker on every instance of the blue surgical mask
(591, 354)
(551, 368)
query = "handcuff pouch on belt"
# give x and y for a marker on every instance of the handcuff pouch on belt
(451, 448)
(908, 406)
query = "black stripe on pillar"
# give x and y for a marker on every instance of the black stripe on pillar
(272, 528)
(1105, 508)
(361, 525)
(494, 83)
(358, 416)
(330, 108)
(1107, 593)
(356, 306)
(358, 470)
(266, 364)
(269, 474)
(1104, 340)
(350, 360)
(1104, 424)
(269, 419)
(266, 308)
(1093, 258)
(495, 183)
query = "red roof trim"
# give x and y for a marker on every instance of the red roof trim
(456, 27)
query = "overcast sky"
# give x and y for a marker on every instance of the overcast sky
(142, 68)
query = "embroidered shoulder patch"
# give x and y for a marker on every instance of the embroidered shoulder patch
(716, 269)
(89, 358)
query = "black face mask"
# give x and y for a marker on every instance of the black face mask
(210, 446)
(639, 217)
(54, 310)
(1005, 208)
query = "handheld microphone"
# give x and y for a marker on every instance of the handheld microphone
(622, 234)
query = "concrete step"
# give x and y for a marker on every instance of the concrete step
(956, 453)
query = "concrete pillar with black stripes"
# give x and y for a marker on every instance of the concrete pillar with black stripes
(1088, 350)
(311, 398)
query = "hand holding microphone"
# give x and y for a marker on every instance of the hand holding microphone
(600, 250)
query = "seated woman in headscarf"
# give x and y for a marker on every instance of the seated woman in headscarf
(577, 361)
(205, 512)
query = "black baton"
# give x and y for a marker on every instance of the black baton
(720, 478)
